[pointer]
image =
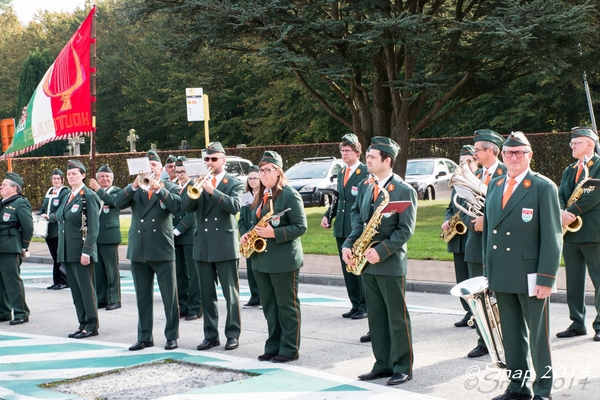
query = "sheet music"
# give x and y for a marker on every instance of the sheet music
(139, 166)
(195, 168)
(247, 198)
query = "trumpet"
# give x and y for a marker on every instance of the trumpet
(144, 181)
(195, 191)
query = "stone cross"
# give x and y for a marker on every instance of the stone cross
(132, 138)
(74, 144)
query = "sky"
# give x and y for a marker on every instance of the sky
(26, 8)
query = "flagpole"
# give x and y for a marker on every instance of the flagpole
(93, 98)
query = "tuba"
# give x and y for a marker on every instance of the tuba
(577, 192)
(194, 191)
(469, 188)
(484, 307)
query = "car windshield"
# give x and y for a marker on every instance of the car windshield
(416, 167)
(308, 171)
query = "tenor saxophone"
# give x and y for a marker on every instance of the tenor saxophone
(577, 192)
(365, 241)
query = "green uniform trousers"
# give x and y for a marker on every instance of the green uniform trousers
(281, 307)
(577, 256)
(143, 280)
(81, 282)
(518, 313)
(354, 286)
(188, 284)
(227, 274)
(461, 271)
(106, 273)
(389, 323)
(254, 293)
(12, 292)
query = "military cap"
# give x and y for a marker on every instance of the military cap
(171, 159)
(105, 168)
(467, 150)
(349, 139)
(516, 139)
(584, 131)
(76, 164)
(215, 147)
(253, 168)
(180, 160)
(488, 135)
(152, 156)
(11, 176)
(272, 157)
(57, 171)
(385, 144)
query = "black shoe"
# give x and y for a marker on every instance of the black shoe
(463, 322)
(4, 319)
(171, 344)
(366, 338)
(231, 344)
(113, 306)
(280, 358)
(82, 334)
(349, 314)
(536, 397)
(359, 315)
(251, 305)
(266, 357)
(208, 344)
(510, 395)
(399, 378)
(141, 346)
(374, 375)
(570, 333)
(191, 317)
(478, 351)
(597, 335)
(60, 287)
(72, 335)
(52, 286)
(19, 321)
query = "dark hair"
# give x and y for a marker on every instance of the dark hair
(356, 147)
(62, 178)
(276, 190)
(385, 156)
(248, 188)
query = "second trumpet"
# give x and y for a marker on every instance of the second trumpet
(195, 191)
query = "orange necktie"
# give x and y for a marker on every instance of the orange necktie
(508, 192)
(214, 181)
(265, 199)
(71, 198)
(486, 179)
(346, 176)
(579, 169)
(150, 192)
(375, 192)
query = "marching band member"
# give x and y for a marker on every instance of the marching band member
(151, 250)
(170, 168)
(278, 267)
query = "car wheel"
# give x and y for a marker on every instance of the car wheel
(429, 193)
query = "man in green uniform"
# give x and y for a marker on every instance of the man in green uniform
(188, 284)
(216, 247)
(581, 248)
(106, 274)
(151, 250)
(348, 182)
(170, 169)
(522, 242)
(16, 230)
(384, 277)
(487, 146)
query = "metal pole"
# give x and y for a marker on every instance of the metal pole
(93, 83)
(206, 119)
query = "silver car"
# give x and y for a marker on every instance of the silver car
(430, 177)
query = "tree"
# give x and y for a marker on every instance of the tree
(397, 67)
(5, 4)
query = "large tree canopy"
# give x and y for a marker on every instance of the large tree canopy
(396, 67)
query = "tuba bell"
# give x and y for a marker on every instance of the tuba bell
(469, 188)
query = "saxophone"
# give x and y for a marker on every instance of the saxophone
(577, 192)
(365, 241)
(457, 227)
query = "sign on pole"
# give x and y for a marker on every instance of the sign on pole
(195, 104)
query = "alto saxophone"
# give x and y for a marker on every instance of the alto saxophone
(255, 242)
(457, 227)
(365, 241)
(577, 192)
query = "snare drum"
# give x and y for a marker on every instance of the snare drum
(40, 226)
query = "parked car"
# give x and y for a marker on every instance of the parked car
(430, 177)
(311, 175)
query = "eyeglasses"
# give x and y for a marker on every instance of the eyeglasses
(478, 150)
(180, 172)
(213, 159)
(518, 153)
(573, 144)
(252, 179)
(265, 171)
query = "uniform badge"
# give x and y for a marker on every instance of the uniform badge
(527, 183)
(75, 208)
(275, 221)
(354, 190)
(390, 187)
(162, 205)
(500, 182)
(479, 175)
(81, 192)
(357, 171)
(527, 214)
(590, 163)
(499, 171)
(389, 214)
(105, 209)
(225, 181)
(6, 217)
(55, 202)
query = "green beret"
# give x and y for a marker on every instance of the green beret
(11, 176)
(57, 171)
(349, 139)
(584, 131)
(516, 139)
(76, 164)
(253, 168)
(385, 144)
(467, 150)
(105, 168)
(171, 159)
(152, 156)
(488, 135)
(273, 158)
(215, 147)
(180, 160)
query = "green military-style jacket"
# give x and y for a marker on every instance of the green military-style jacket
(216, 237)
(245, 219)
(284, 252)
(525, 237)
(16, 225)
(70, 236)
(151, 231)
(458, 243)
(346, 198)
(395, 229)
(588, 205)
(51, 203)
(110, 225)
(184, 222)
(473, 249)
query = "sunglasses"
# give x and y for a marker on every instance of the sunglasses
(213, 159)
